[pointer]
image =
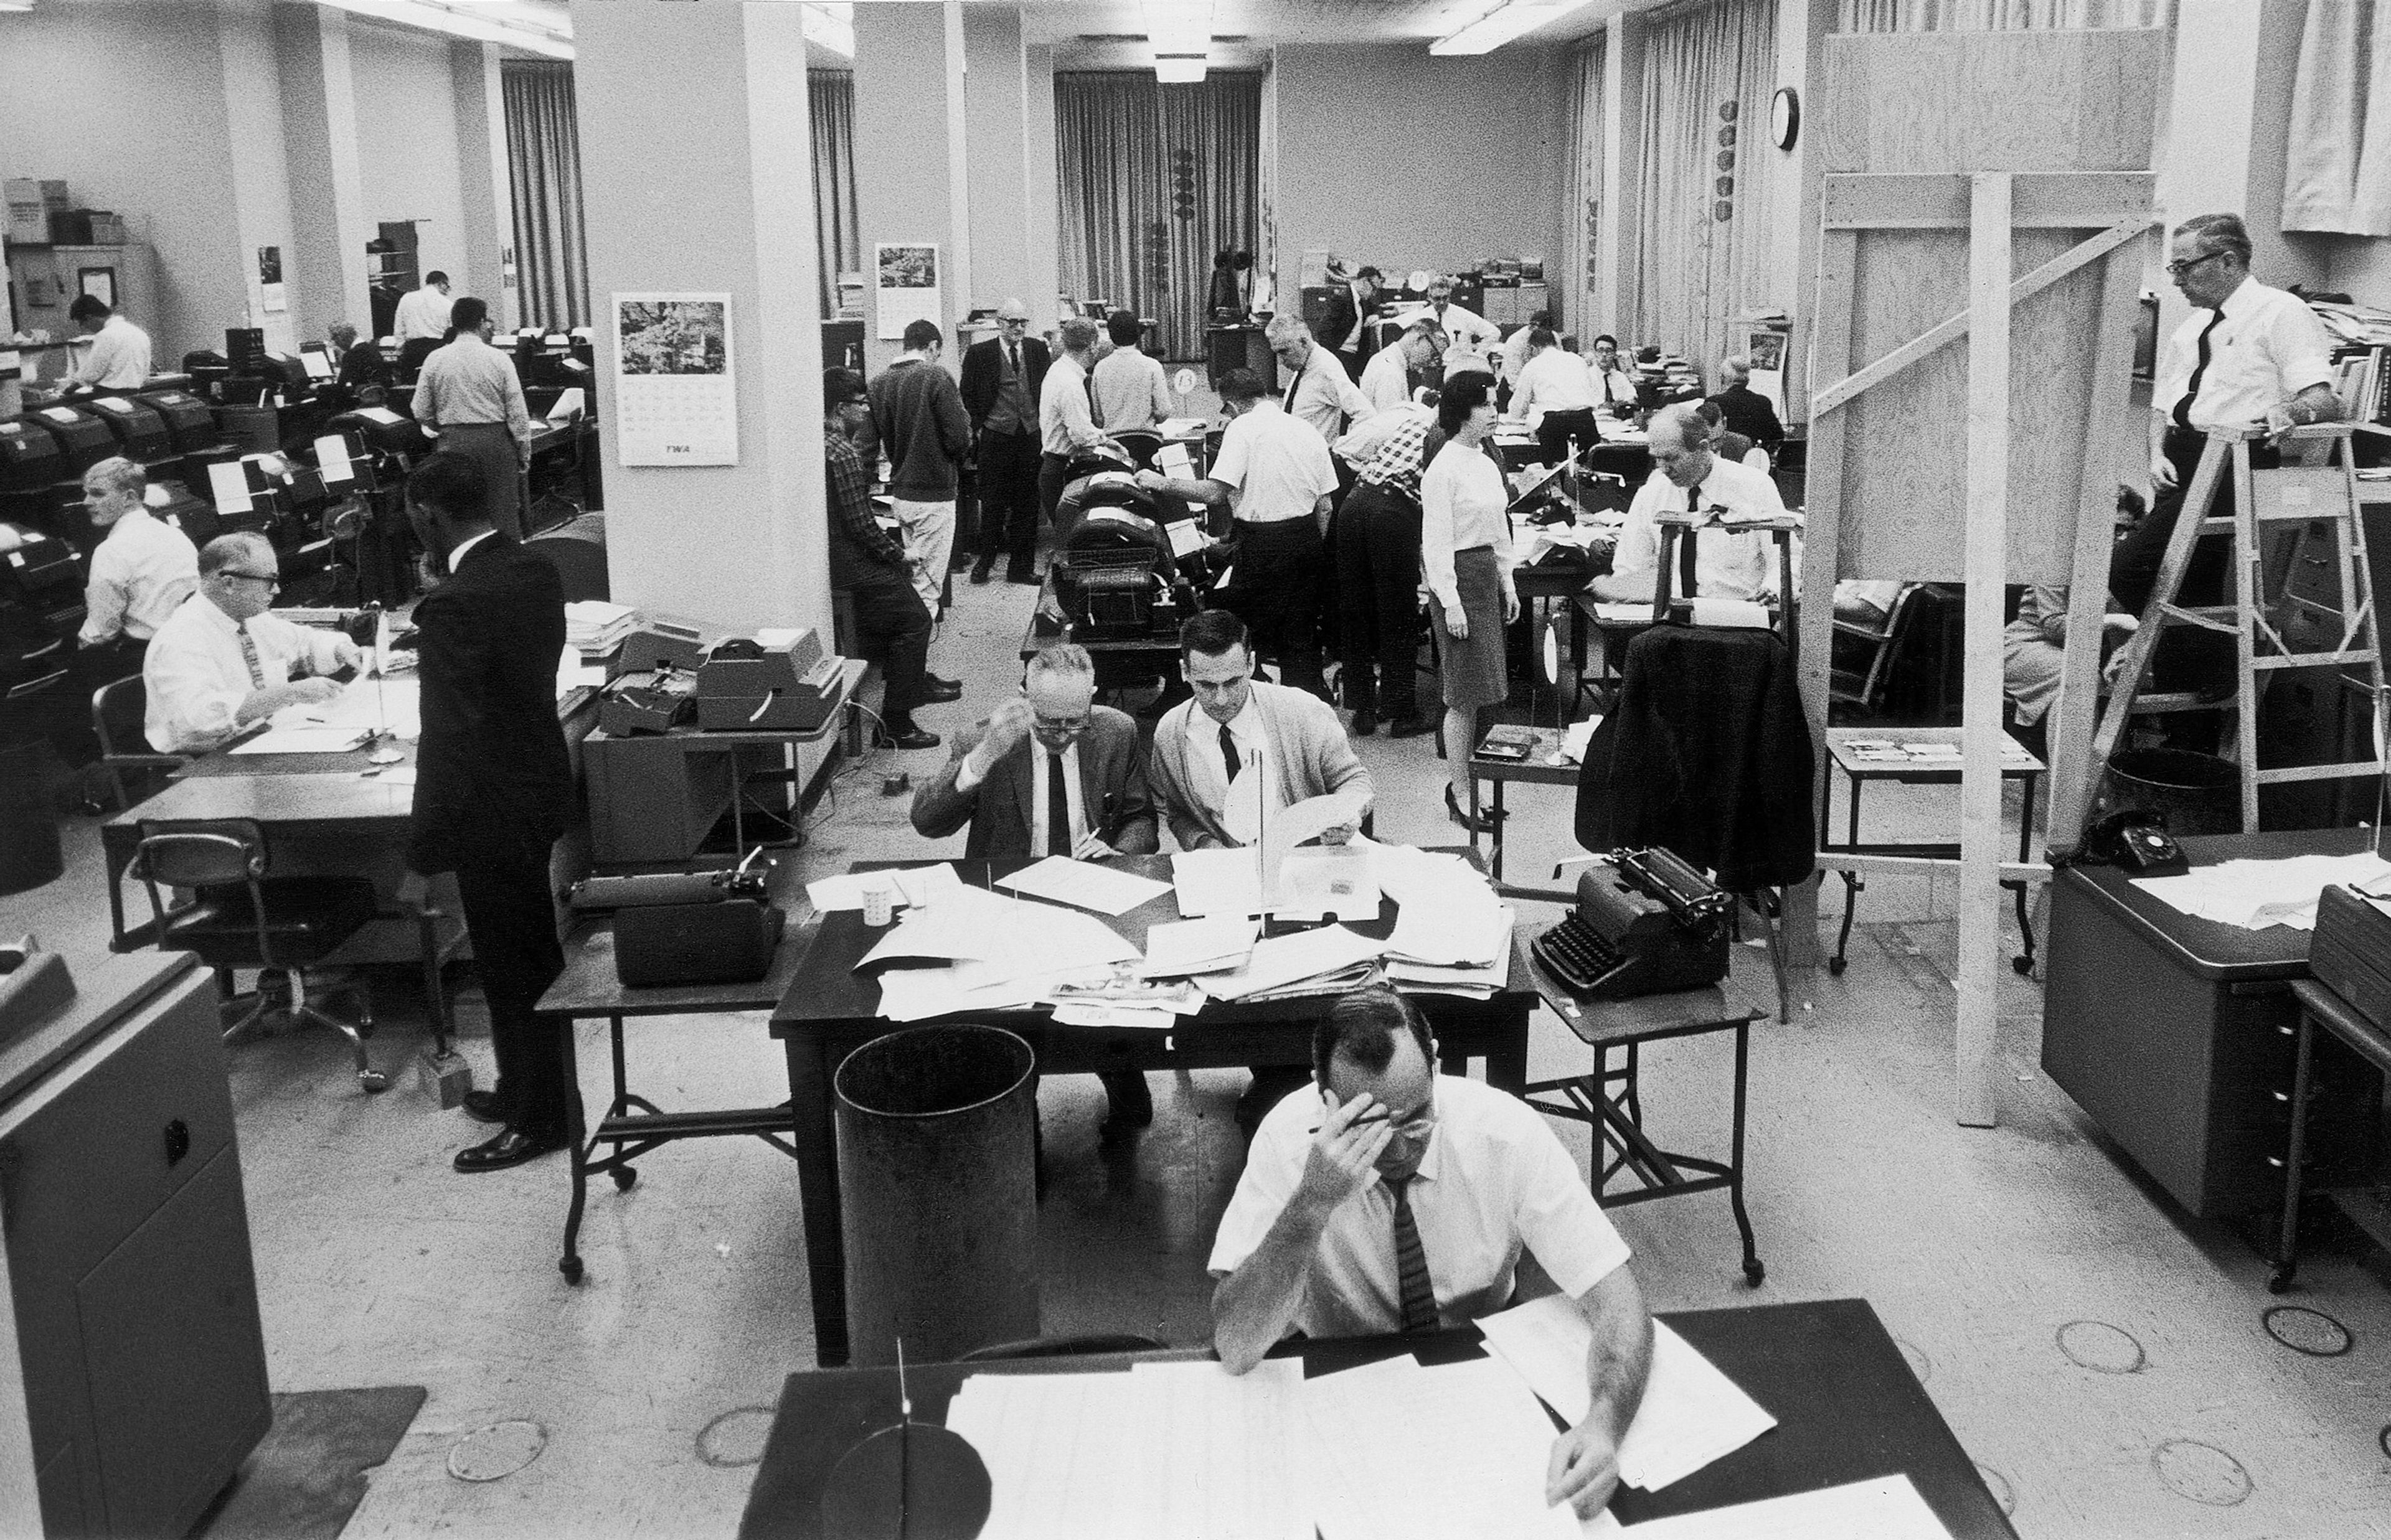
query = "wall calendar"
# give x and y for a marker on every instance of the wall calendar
(676, 398)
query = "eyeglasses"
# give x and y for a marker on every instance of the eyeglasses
(271, 580)
(1062, 724)
(2178, 268)
(1416, 1124)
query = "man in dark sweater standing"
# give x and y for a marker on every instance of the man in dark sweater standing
(866, 563)
(918, 415)
(493, 791)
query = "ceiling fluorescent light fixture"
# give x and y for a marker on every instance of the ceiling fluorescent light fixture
(1179, 69)
(458, 19)
(833, 27)
(1502, 24)
(16, 5)
(1179, 27)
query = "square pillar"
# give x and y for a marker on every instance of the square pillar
(909, 180)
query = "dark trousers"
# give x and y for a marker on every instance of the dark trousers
(2186, 658)
(1377, 583)
(1009, 497)
(1556, 431)
(489, 446)
(893, 629)
(1275, 590)
(1053, 475)
(511, 919)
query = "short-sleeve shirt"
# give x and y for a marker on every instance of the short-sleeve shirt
(1279, 467)
(2268, 349)
(1494, 1181)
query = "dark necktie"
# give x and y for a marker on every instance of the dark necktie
(1686, 551)
(1058, 809)
(2199, 368)
(1229, 755)
(1411, 1261)
(249, 656)
(1013, 355)
(1292, 386)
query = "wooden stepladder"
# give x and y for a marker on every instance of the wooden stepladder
(2268, 617)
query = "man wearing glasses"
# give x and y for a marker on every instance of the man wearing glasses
(2246, 356)
(1003, 378)
(221, 664)
(1050, 774)
(1387, 1197)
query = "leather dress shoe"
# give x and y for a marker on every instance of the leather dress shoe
(1365, 722)
(907, 736)
(512, 1147)
(484, 1107)
(1025, 575)
(943, 691)
(1411, 726)
(982, 568)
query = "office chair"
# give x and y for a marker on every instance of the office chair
(1142, 445)
(118, 711)
(1060, 1347)
(239, 916)
(578, 550)
(1865, 647)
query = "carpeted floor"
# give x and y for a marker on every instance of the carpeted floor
(311, 1470)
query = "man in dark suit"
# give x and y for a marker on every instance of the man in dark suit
(1342, 329)
(1001, 381)
(1050, 774)
(1746, 411)
(493, 791)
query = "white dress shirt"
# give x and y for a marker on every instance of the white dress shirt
(1461, 324)
(1386, 379)
(1463, 505)
(1739, 566)
(1616, 388)
(1074, 793)
(470, 381)
(1515, 355)
(421, 312)
(196, 677)
(1064, 422)
(1131, 389)
(139, 576)
(1277, 468)
(1320, 394)
(1555, 380)
(1494, 1181)
(2267, 347)
(117, 357)
(1242, 802)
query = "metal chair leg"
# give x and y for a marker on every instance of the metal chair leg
(301, 1008)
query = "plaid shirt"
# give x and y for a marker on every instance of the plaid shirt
(1400, 460)
(850, 502)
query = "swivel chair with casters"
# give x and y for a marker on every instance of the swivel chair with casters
(241, 916)
(117, 712)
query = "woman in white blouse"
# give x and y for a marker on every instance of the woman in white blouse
(1465, 555)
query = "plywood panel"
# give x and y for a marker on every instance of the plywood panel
(1992, 102)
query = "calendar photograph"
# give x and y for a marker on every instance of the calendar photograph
(906, 287)
(676, 400)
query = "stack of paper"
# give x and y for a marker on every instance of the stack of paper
(1397, 1451)
(988, 952)
(1308, 962)
(1085, 884)
(2255, 895)
(594, 627)
(1183, 947)
(1314, 882)
(1691, 1413)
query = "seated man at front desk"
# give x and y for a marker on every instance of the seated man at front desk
(220, 663)
(1051, 773)
(1686, 477)
(1387, 1197)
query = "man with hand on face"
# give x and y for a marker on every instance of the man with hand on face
(221, 664)
(1686, 477)
(492, 792)
(1389, 1198)
(1050, 774)
(1393, 373)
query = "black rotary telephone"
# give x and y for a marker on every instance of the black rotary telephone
(2135, 840)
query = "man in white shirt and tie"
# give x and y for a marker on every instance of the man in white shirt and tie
(421, 320)
(1459, 321)
(118, 357)
(1555, 396)
(1686, 477)
(1318, 390)
(221, 664)
(140, 574)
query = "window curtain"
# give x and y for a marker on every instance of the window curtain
(1584, 228)
(1702, 232)
(544, 169)
(2337, 168)
(1994, 16)
(1154, 180)
(829, 97)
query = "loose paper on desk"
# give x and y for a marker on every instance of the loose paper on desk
(1279, 961)
(304, 737)
(1887, 1508)
(1177, 948)
(1291, 827)
(1084, 884)
(1027, 939)
(1397, 1452)
(1691, 1413)
(914, 885)
(2256, 895)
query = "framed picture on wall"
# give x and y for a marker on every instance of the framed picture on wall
(98, 282)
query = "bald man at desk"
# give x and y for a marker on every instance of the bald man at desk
(1384, 1197)
(221, 664)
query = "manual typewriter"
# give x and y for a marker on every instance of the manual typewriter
(1646, 923)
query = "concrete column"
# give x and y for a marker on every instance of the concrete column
(996, 99)
(694, 121)
(484, 184)
(906, 192)
(1622, 111)
(261, 176)
(326, 263)
(1043, 199)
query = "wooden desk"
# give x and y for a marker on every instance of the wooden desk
(1847, 1409)
(2174, 1033)
(1537, 769)
(830, 1010)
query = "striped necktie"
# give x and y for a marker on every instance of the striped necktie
(249, 656)
(1411, 1261)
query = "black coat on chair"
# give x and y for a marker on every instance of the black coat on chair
(1706, 753)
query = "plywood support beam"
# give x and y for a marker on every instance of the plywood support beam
(2084, 200)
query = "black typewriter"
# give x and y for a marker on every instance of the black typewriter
(1646, 923)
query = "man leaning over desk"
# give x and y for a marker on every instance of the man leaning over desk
(1051, 773)
(221, 664)
(1387, 1197)
(1687, 477)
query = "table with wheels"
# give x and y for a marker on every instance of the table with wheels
(1859, 768)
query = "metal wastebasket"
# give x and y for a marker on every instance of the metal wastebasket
(2195, 793)
(937, 1191)
(30, 852)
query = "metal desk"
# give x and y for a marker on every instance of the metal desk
(1538, 769)
(2365, 1206)
(1847, 1409)
(830, 1010)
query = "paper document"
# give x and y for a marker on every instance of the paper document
(1181, 947)
(228, 486)
(1885, 1508)
(1314, 881)
(1731, 614)
(1397, 1452)
(2256, 895)
(1180, 428)
(309, 739)
(1691, 1413)
(1085, 884)
(970, 923)
(914, 885)
(1292, 826)
(1469, 928)
(1279, 961)
(332, 459)
(1575, 740)
(1622, 611)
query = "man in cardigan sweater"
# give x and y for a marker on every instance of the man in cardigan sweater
(918, 415)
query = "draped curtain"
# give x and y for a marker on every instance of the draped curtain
(544, 169)
(1702, 247)
(1993, 15)
(829, 96)
(2337, 165)
(1153, 181)
(1583, 227)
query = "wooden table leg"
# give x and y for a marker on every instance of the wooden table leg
(809, 1103)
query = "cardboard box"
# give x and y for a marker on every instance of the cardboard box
(30, 201)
